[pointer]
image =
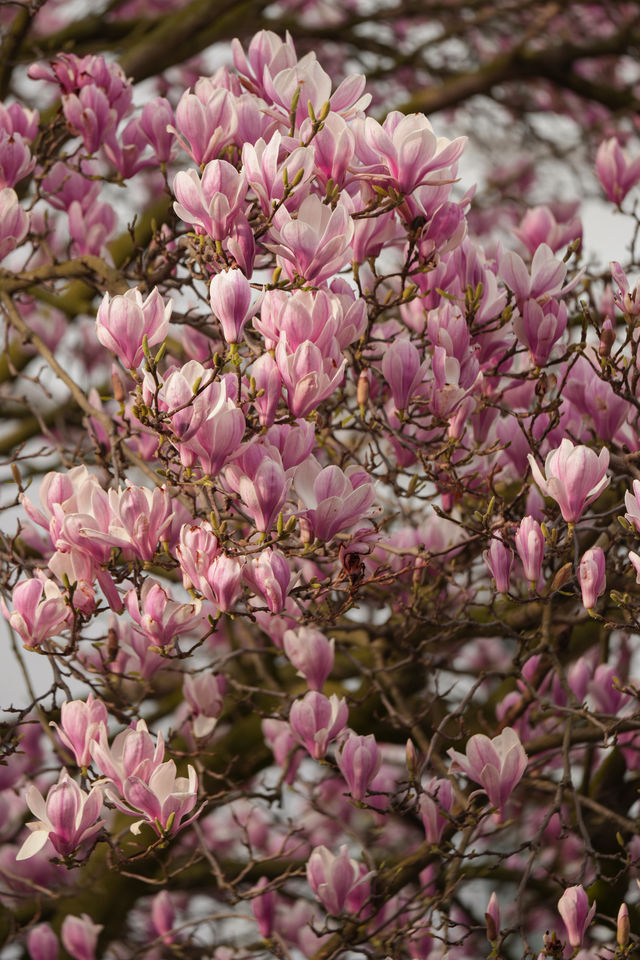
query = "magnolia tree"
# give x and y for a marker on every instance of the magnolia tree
(319, 516)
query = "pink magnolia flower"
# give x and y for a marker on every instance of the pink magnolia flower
(540, 328)
(408, 148)
(592, 576)
(492, 917)
(316, 720)
(573, 907)
(140, 520)
(80, 724)
(42, 943)
(164, 800)
(574, 477)
(154, 121)
(14, 118)
(284, 746)
(546, 278)
(89, 115)
(40, 611)
(223, 581)
(499, 559)
(539, 225)
(159, 617)
(316, 244)
(436, 801)
(403, 371)
(617, 172)
(133, 753)
(529, 541)
(90, 228)
(124, 321)
(163, 916)
(267, 379)
(126, 150)
(309, 375)
(217, 435)
(263, 489)
(206, 121)
(269, 575)
(231, 302)
(67, 818)
(79, 936)
(627, 299)
(14, 221)
(335, 499)
(333, 878)
(196, 551)
(311, 653)
(264, 165)
(213, 201)
(497, 764)
(16, 161)
(204, 693)
(359, 761)
(264, 908)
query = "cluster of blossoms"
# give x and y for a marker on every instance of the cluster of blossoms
(344, 530)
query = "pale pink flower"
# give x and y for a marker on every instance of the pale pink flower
(124, 320)
(164, 800)
(436, 801)
(80, 724)
(133, 753)
(40, 611)
(499, 559)
(316, 244)
(14, 221)
(497, 765)
(159, 617)
(574, 477)
(316, 720)
(67, 817)
(573, 907)
(335, 499)
(359, 761)
(79, 936)
(211, 202)
(529, 541)
(204, 693)
(592, 576)
(617, 172)
(311, 653)
(333, 878)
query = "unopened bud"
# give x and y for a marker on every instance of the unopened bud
(623, 929)
(118, 387)
(362, 390)
(563, 575)
(492, 919)
(412, 759)
(607, 340)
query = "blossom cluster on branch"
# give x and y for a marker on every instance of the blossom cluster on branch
(320, 517)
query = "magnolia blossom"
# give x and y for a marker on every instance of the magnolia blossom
(574, 476)
(497, 764)
(68, 817)
(124, 321)
(316, 720)
(80, 724)
(164, 801)
(573, 907)
(333, 878)
(335, 499)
